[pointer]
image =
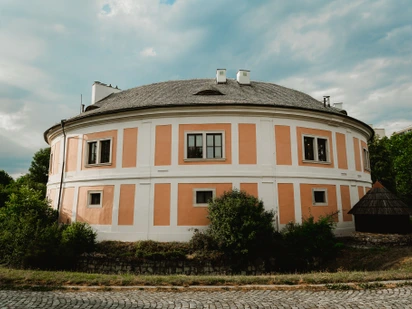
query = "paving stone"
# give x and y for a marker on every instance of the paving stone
(298, 299)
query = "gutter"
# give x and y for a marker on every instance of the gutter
(62, 172)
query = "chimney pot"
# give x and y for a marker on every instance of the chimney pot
(243, 77)
(221, 76)
(101, 90)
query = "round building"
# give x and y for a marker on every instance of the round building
(142, 163)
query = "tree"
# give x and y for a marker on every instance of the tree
(240, 225)
(39, 168)
(391, 164)
(381, 162)
(5, 178)
(401, 153)
(29, 233)
(5, 182)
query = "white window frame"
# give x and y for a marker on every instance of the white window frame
(315, 149)
(314, 203)
(366, 159)
(204, 133)
(89, 199)
(51, 163)
(98, 158)
(202, 190)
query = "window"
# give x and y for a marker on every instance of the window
(366, 162)
(51, 164)
(319, 197)
(315, 149)
(99, 152)
(202, 197)
(94, 199)
(204, 145)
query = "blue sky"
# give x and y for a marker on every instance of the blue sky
(358, 52)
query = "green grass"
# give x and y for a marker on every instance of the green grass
(360, 266)
(16, 277)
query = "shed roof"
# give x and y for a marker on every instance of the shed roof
(380, 201)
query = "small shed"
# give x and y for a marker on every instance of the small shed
(381, 211)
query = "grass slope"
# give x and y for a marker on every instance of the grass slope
(353, 265)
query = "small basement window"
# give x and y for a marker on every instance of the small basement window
(319, 197)
(95, 198)
(202, 197)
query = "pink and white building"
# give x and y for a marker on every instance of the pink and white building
(142, 163)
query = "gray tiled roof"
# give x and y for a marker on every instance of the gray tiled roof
(185, 92)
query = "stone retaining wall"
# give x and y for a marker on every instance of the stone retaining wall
(96, 263)
(371, 239)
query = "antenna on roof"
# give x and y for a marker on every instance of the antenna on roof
(81, 104)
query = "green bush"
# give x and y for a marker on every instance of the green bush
(153, 250)
(308, 245)
(79, 238)
(29, 234)
(240, 226)
(202, 241)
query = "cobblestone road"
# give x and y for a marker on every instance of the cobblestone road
(380, 298)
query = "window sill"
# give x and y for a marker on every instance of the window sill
(320, 204)
(98, 164)
(94, 206)
(317, 162)
(204, 160)
(200, 205)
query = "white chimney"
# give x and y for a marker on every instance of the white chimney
(243, 77)
(101, 90)
(338, 105)
(221, 76)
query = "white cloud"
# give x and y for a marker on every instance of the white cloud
(148, 52)
(59, 28)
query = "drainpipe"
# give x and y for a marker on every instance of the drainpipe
(62, 172)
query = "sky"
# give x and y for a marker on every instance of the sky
(358, 52)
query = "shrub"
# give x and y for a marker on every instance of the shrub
(308, 245)
(29, 234)
(153, 250)
(78, 238)
(240, 226)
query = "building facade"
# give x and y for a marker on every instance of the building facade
(143, 163)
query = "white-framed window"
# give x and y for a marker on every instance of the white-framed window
(99, 152)
(201, 197)
(366, 161)
(51, 164)
(94, 198)
(319, 197)
(316, 148)
(205, 145)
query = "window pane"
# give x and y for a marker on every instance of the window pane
(322, 151)
(319, 196)
(218, 152)
(92, 153)
(95, 198)
(209, 153)
(199, 140)
(194, 146)
(309, 151)
(190, 140)
(203, 197)
(209, 140)
(218, 140)
(105, 151)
